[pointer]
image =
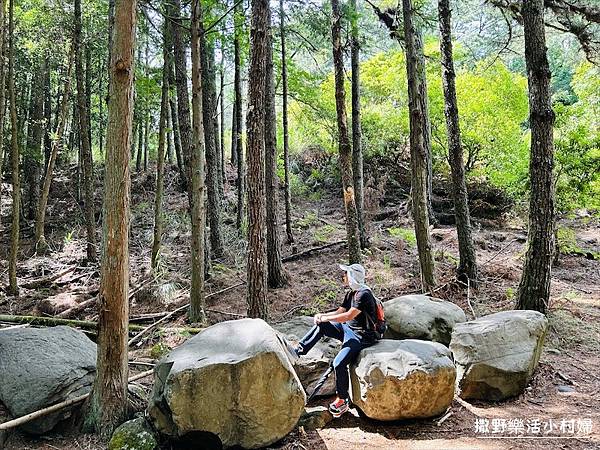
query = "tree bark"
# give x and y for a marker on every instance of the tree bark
(2, 82)
(160, 156)
(222, 123)
(32, 158)
(345, 148)
(255, 123)
(13, 288)
(534, 288)
(107, 405)
(140, 147)
(47, 112)
(40, 220)
(212, 167)
(357, 153)
(286, 134)
(237, 86)
(86, 151)
(420, 142)
(276, 276)
(196, 171)
(173, 106)
(467, 267)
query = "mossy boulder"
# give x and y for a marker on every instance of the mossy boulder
(134, 434)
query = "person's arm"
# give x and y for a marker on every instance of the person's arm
(319, 316)
(341, 316)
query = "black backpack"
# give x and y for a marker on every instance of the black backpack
(378, 323)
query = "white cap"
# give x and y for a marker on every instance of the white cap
(356, 275)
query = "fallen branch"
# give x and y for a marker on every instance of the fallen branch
(500, 251)
(310, 251)
(39, 282)
(225, 312)
(151, 327)
(443, 419)
(472, 409)
(50, 409)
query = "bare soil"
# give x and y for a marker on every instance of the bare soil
(571, 352)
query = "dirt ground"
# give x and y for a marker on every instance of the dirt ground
(565, 388)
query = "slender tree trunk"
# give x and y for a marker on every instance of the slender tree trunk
(345, 148)
(222, 124)
(40, 220)
(286, 134)
(467, 267)
(181, 80)
(13, 288)
(2, 83)
(174, 117)
(107, 405)
(534, 289)
(32, 158)
(233, 133)
(140, 147)
(212, 169)
(146, 140)
(88, 92)
(198, 195)
(276, 275)
(160, 156)
(255, 123)
(237, 82)
(215, 121)
(420, 142)
(47, 112)
(169, 137)
(357, 153)
(86, 151)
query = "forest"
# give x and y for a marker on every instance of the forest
(191, 189)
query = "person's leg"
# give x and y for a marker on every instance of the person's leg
(329, 329)
(350, 350)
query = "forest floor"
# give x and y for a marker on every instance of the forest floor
(570, 360)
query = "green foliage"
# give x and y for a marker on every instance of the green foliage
(406, 234)
(566, 240)
(309, 219)
(158, 350)
(322, 234)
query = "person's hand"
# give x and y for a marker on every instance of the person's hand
(317, 318)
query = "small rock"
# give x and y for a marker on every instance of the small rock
(554, 351)
(134, 434)
(565, 388)
(315, 417)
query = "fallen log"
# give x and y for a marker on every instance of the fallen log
(310, 251)
(50, 409)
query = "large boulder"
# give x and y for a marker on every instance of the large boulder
(406, 379)
(234, 381)
(421, 317)
(41, 367)
(496, 355)
(311, 366)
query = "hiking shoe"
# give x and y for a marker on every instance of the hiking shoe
(339, 407)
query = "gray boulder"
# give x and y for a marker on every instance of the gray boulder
(421, 317)
(311, 366)
(496, 355)
(407, 379)
(234, 381)
(134, 434)
(41, 367)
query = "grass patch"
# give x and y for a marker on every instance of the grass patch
(322, 234)
(568, 331)
(406, 234)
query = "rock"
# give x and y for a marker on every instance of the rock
(421, 317)
(43, 366)
(233, 381)
(496, 355)
(134, 434)
(311, 366)
(58, 303)
(565, 388)
(403, 379)
(315, 417)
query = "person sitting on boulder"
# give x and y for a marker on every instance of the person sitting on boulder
(349, 324)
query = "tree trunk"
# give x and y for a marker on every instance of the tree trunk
(233, 133)
(215, 120)
(173, 108)
(237, 86)
(276, 275)
(88, 92)
(2, 83)
(47, 112)
(13, 288)
(255, 123)
(420, 142)
(222, 123)
(357, 153)
(146, 140)
(212, 168)
(170, 139)
(40, 219)
(183, 100)
(286, 134)
(345, 149)
(32, 160)
(86, 151)
(140, 146)
(534, 289)
(467, 267)
(196, 171)
(160, 156)
(107, 406)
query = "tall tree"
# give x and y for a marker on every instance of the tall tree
(534, 288)
(345, 147)
(210, 140)
(357, 154)
(196, 171)
(285, 124)
(86, 151)
(32, 158)
(40, 218)
(255, 124)
(108, 400)
(467, 267)
(13, 288)
(237, 87)
(2, 81)
(276, 275)
(420, 141)
(222, 121)
(160, 154)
